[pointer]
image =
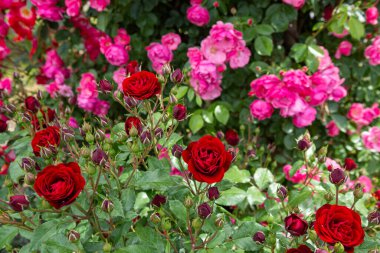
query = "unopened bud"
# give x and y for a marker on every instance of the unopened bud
(338, 176)
(188, 202)
(329, 196)
(89, 137)
(220, 135)
(213, 193)
(145, 137)
(107, 247)
(374, 217)
(172, 99)
(130, 102)
(303, 144)
(358, 191)
(67, 134)
(312, 235)
(177, 76)
(45, 153)
(39, 94)
(10, 108)
(338, 248)
(177, 150)
(204, 210)
(73, 236)
(99, 157)
(322, 152)
(158, 132)
(179, 112)
(99, 135)
(219, 222)
(29, 178)
(155, 218)
(166, 224)
(166, 69)
(105, 86)
(26, 117)
(259, 237)
(28, 164)
(107, 206)
(158, 200)
(196, 223)
(86, 127)
(18, 202)
(282, 192)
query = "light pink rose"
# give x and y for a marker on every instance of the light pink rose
(305, 118)
(356, 111)
(171, 40)
(118, 76)
(366, 182)
(363, 116)
(195, 56)
(198, 15)
(371, 15)
(73, 7)
(332, 129)
(344, 48)
(261, 109)
(371, 139)
(99, 5)
(211, 51)
(372, 52)
(116, 55)
(295, 3)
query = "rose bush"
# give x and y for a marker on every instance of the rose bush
(189, 126)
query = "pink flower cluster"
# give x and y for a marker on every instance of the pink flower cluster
(161, 53)
(344, 48)
(196, 14)
(224, 45)
(48, 9)
(372, 52)
(99, 5)
(372, 15)
(116, 52)
(295, 3)
(88, 96)
(300, 175)
(54, 70)
(371, 139)
(361, 115)
(296, 94)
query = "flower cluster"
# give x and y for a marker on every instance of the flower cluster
(224, 45)
(372, 52)
(196, 14)
(161, 53)
(361, 115)
(49, 10)
(116, 53)
(371, 139)
(88, 96)
(21, 19)
(296, 94)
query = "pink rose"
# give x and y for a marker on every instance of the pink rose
(332, 164)
(298, 177)
(211, 51)
(305, 118)
(122, 38)
(99, 5)
(73, 123)
(73, 7)
(3, 28)
(355, 113)
(195, 56)
(159, 55)
(198, 15)
(371, 139)
(371, 15)
(116, 55)
(118, 76)
(261, 109)
(260, 87)
(239, 58)
(51, 13)
(282, 97)
(195, 2)
(366, 182)
(295, 3)
(332, 129)
(344, 48)
(6, 85)
(372, 52)
(171, 40)
(297, 81)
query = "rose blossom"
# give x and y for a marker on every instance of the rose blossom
(372, 52)
(332, 129)
(159, 55)
(298, 177)
(295, 225)
(371, 139)
(116, 55)
(344, 48)
(301, 249)
(141, 85)
(73, 7)
(261, 109)
(46, 138)
(171, 40)
(371, 15)
(198, 15)
(295, 3)
(99, 5)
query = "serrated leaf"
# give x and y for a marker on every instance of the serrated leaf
(356, 28)
(235, 175)
(263, 177)
(296, 197)
(222, 114)
(264, 45)
(231, 197)
(255, 196)
(196, 123)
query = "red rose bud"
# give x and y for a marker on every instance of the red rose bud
(259, 237)
(98, 156)
(177, 150)
(10, 156)
(177, 76)
(32, 104)
(158, 200)
(3, 126)
(374, 217)
(10, 108)
(18, 202)
(132, 67)
(158, 133)
(338, 176)
(251, 153)
(282, 192)
(204, 210)
(179, 112)
(303, 144)
(45, 138)
(105, 86)
(295, 225)
(232, 137)
(213, 193)
(133, 126)
(73, 236)
(145, 137)
(67, 134)
(107, 206)
(349, 164)
(301, 249)
(28, 164)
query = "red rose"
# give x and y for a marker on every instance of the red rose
(141, 85)
(60, 184)
(301, 249)
(133, 122)
(32, 104)
(45, 138)
(295, 225)
(132, 67)
(350, 164)
(3, 126)
(339, 224)
(207, 159)
(232, 137)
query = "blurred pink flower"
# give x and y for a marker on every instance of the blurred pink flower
(198, 15)
(73, 7)
(372, 52)
(371, 139)
(99, 5)
(73, 123)
(332, 129)
(159, 55)
(171, 40)
(6, 85)
(344, 48)
(295, 3)
(298, 177)
(372, 15)
(116, 55)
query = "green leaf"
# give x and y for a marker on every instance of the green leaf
(299, 52)
(340, 121)
(264, 29)
(181, 92)
(178, 209)
(235, 175)
(356, 28)
(142, 200)
(43, 232)
(263, 177)
(316, 50)
(296, 166)
(208, 116)
(7, 234)
(296, 197)
(222, 114)
(196, 123)
(231, 197)
(15, 171)
(264, 45)
(255, 196)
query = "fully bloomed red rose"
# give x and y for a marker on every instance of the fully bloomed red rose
(141, 85)
(301, 249)
(207, 159)
(45, 138)
(60, 184)
(336, 223)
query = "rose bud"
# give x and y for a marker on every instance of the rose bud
(107, 206)
(374, 217)
(204, 210)
(349, 164)
(213, 193)
(10, 108)
(220, 135)
(130, 102)
(32, 104)
(67, 134)
(166, 69)
(73, 236)
(338, 248)
(232, 137)
(158, 200)
(158, 132)
(28, 164)
(98, 156)
(18, 202)
(358, 191)
(259, 237)
(172, 99)
(99, 134)
(26, 117)
(45, 153)
(133, 126)
(107, 247)
(303, 144)
(295, 225)
(177, 150)
(145, 137)
(282, 192)
(328, 196)
(321, 251)
(179, 112)
(188, 202)
(338, 176)
(155, 218)
(105, 86)
(29, 178)
(177, 76)
(166, 224)
(251, 153)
